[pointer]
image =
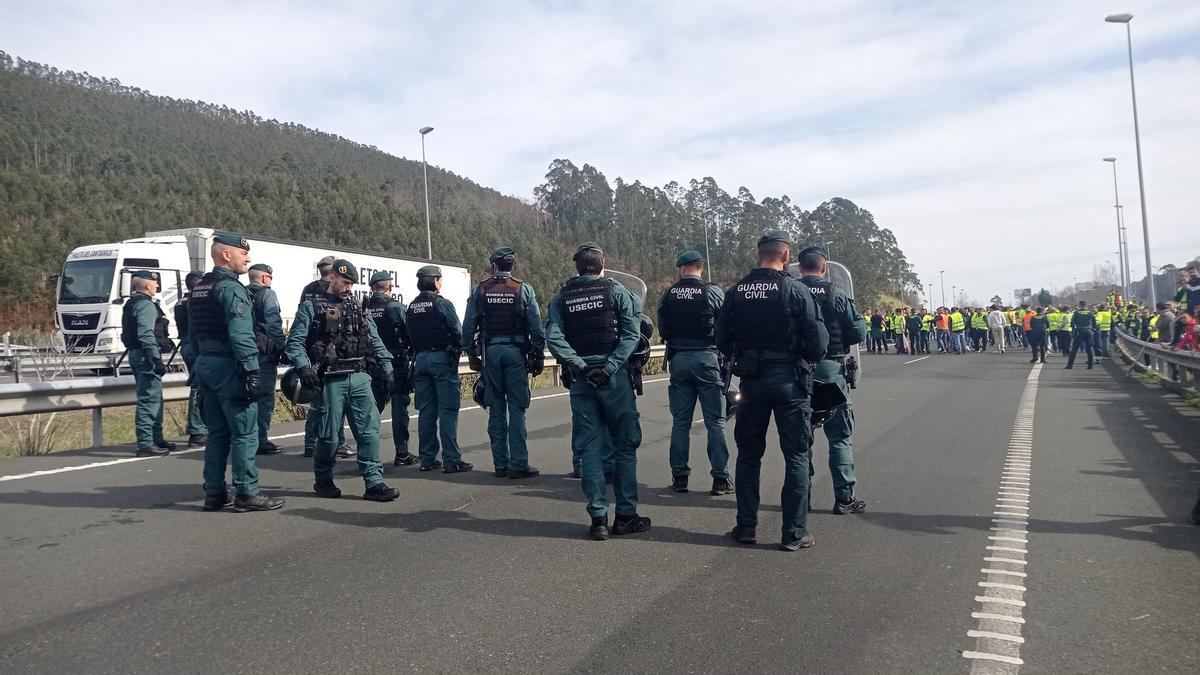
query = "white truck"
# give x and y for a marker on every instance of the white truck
(94, 283)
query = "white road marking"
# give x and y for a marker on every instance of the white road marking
(128, 460)
(995, 651)
(915, 360)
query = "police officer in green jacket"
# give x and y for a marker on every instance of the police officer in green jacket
(221, 333)
(335, 346)
(316, 413)
(436, 337)
(503, 311)
(846, 329)
(388, 314)
(144, 334)
(593, 327)
(1083, 323)
(269, 338)
(687, 321)
(771, 328)
(197, 432)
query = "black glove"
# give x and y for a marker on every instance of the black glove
(160, 368)
(389, 380)
(284, 359)
(252, 383)
(537, 363)
(474, 362)
(595, 376)
(309, 377)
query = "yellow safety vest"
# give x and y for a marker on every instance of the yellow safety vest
(957, 322)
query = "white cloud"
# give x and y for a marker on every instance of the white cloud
(973, 130)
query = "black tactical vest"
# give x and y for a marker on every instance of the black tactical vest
(760, 313)
(206, 316)
(590, 321)
(339, 323)
(181, 318)
(314, 290)
(823, 293)
(427, 328)
(260, 320)
(392, 332)
(686, 312)
(129, 331)
(500, 302)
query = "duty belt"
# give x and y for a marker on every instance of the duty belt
(346, 367)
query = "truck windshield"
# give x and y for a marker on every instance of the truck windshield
(86, 281)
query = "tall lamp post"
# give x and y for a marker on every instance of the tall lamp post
(425, 170)
(1120, 238)
(1125, 246)
(1137, 140)
(942, 278)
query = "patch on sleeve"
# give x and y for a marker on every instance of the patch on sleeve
(240, 308)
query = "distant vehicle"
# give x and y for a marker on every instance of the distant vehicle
(95, 280)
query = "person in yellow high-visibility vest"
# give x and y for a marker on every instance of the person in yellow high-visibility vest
(1104, 320)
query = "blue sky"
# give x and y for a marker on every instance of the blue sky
(973, 130)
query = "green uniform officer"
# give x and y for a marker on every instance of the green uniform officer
(846, 329)
(316, 412)
(220, 318)
(144, 334)
(592, 328)
(771, 329)
(503, 311)
(436, 336)
(388, 314)
(687, 321)
(334, 345)
(197, 432)
(269, 338)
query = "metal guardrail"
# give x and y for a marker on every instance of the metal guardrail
(1173, 364)
(97, 393)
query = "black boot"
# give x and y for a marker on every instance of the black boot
(164, 444)
(407, 459)
(268, 448)
(218, 502)
(630, 524)
(745, 535)
(380, 492)
(327, 489)
(679, 483)
(528, 472)
(197, 441)
(461, 467)
(722, 486)
(151, 451)
(258, 502)
(599, 529)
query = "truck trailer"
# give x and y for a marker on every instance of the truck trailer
(95, 280)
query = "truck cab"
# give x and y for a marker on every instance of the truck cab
(95, 284)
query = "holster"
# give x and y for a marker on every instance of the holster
(747, 364)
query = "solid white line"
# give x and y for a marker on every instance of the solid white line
(1011, 561)
(1012, 499)
(995, 636)
(127, 460)
(915, 360)
(990, 570)
(1007, 587)
(1013, 539)
(999, 658)
(997, 617)
(1009, 549)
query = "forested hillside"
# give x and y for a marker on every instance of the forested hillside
(85, 160)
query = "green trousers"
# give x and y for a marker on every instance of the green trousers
(695, 376)
(507, 396)
(267, 370)
(438, 394)
(839, 432)
(314, 422)
(611, 408)
(349, 396)
(148, 415)
(231, 417)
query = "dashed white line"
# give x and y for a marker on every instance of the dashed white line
(997, 634)
(915, 360)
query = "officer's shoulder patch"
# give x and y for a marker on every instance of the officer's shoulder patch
(239, 308)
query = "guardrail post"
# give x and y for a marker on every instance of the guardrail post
(97, 427)
(8, 343)
(16, 367)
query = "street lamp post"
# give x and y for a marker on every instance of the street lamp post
(942, 278)
(707, 259)
(1117, 208)
(1137, 140)
(425, 171)
(1125, 245)
(953, 294)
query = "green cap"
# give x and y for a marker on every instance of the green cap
(145, 274)
(326, 261)
(232, 240)
(381, 275)
(587, 246)
(819, 249)
(262, 267)
(500, 253)
(688, 257)
(429, 271)
(773, 235)
(345, 269)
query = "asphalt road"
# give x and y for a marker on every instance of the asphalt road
(114, 568)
